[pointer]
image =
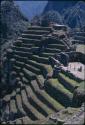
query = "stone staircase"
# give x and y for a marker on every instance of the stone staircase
(79, 37)
(33, 97)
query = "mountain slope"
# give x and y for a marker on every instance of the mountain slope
(75, 16)
(58, 5)
(12, 20)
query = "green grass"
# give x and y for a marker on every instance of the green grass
(28, 106)
(57, 46)
(39, 105)
(55, 83)
(46, 97)
(70, 81)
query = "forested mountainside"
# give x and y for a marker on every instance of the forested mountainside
(12, 21)
(59, 5)
(75, 16)
(72, 12)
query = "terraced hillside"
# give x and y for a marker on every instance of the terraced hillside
(33, 97)
(79, 37)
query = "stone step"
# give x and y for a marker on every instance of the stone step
(28, 74)
(16, 68)
(13, 110)
(39, 105)
(40, 59)
(70, 84)
(59, 92)
(43, 67)
(53, 40)
(37, 32)
(32, 69)
(23, 49)
(52, 50)
(29, 45)
(40, 28)
(46, 55)
(81, 38)
(24, 80)
(20, 58)
(23, 54)
(19, 105)
(45, 98)
(19, 64)
(28, 107)
(57, 46)
(27, 40)
(32, 36)
(71, 76)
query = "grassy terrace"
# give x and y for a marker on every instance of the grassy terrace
(37, 32)
(71, 76)
(82, 38)
(39, 66)
(52, 50)
(33, 98)
(27, 40)
(39, 105)
(40, 59)
(28, 74)
(27, 106)
(45, 98)
(67, 82)
(31, 36)
(13, 110)
(55, 46)
(33, 69)
(46, 55)
(58, 85)
(29, 45)
(59, 92)
(25, 49)
(40, 28)
(19, 105)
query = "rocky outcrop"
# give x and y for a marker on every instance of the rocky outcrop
(68, 116)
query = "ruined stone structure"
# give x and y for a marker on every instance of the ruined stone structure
(33, 96)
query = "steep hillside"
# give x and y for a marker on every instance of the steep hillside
(33, 92)
(72, 12)
(75, 16)
(12, 21)
(58, 5)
